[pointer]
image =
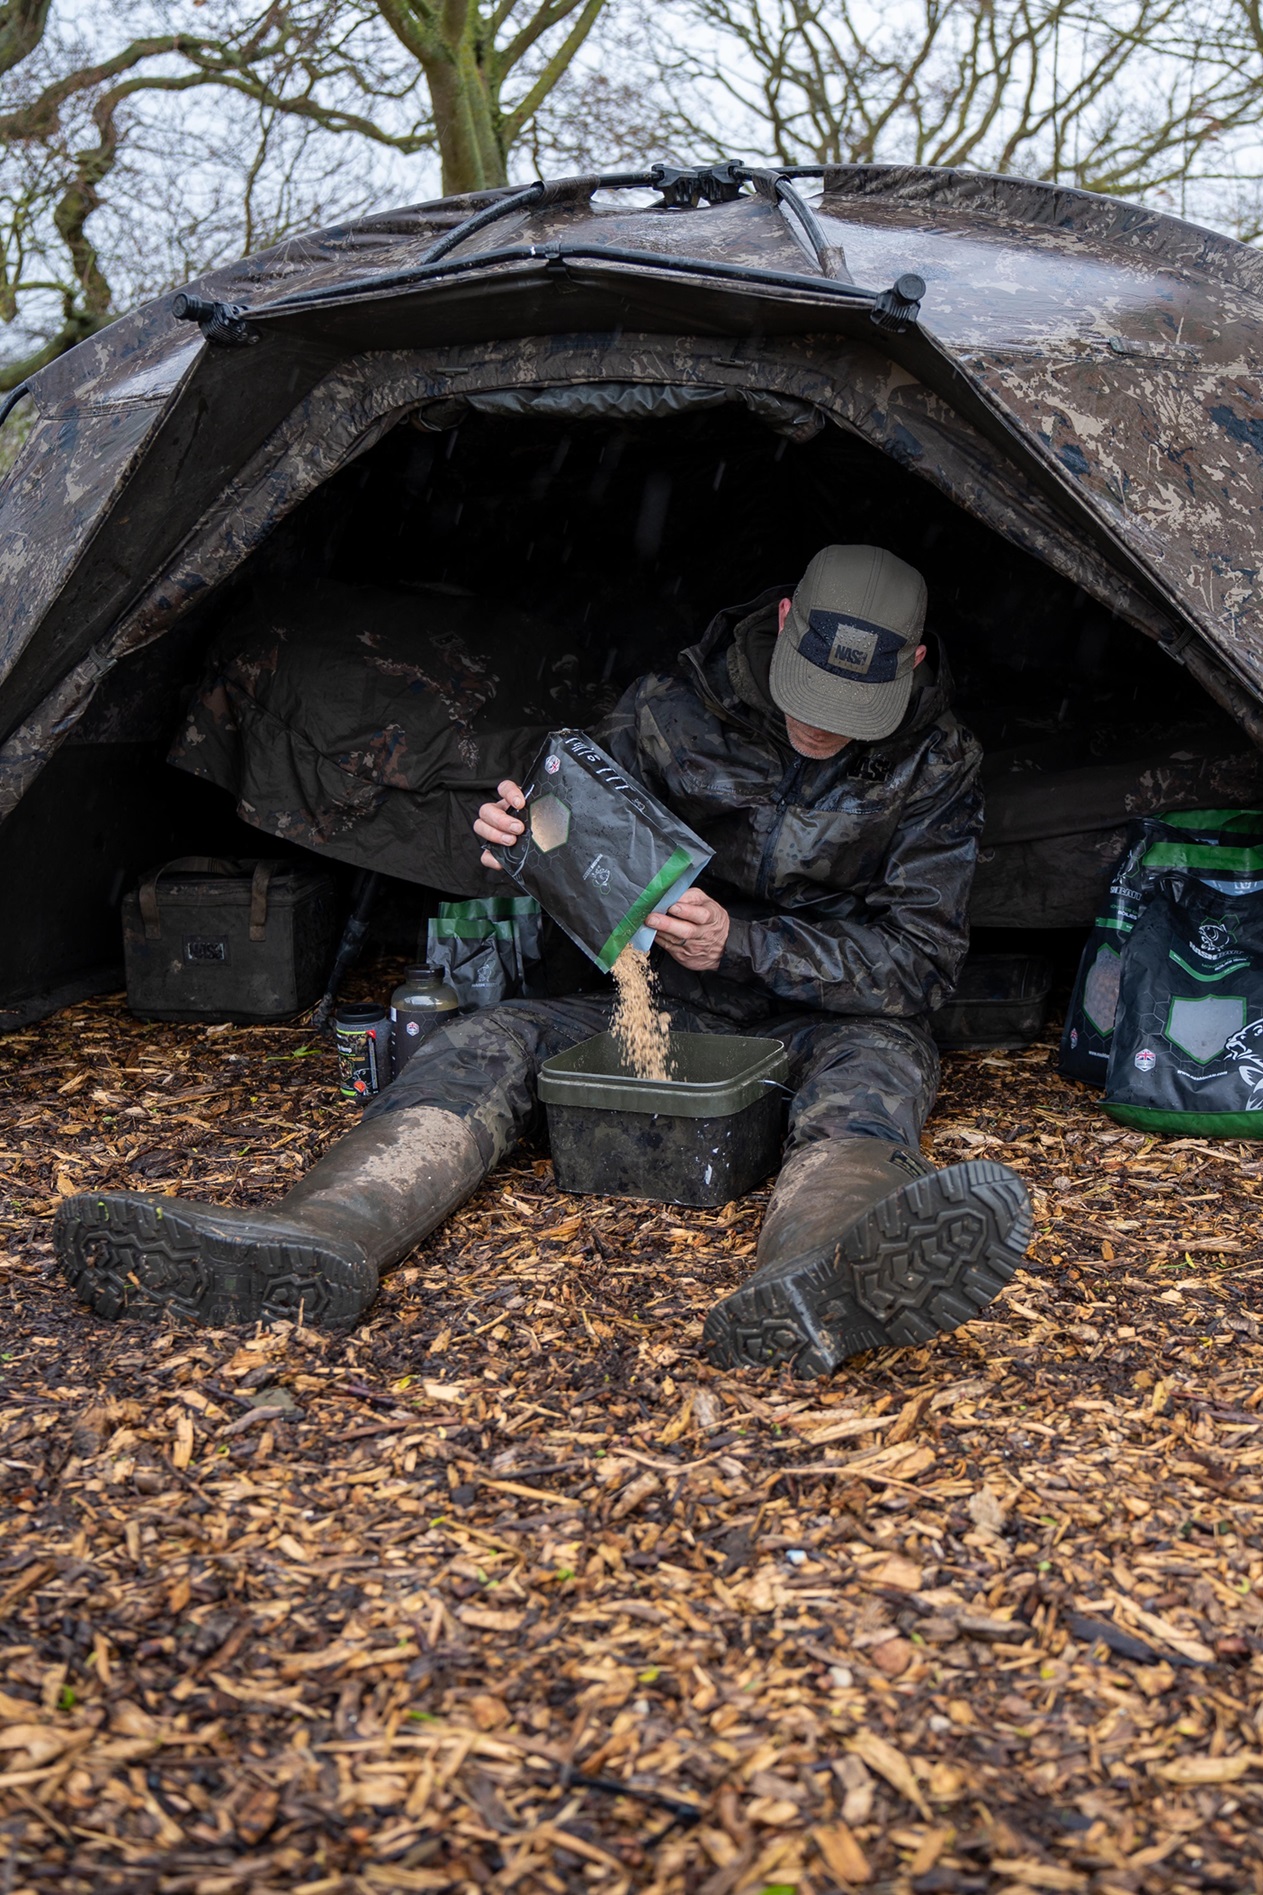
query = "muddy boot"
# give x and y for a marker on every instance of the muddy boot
(866, 1244)
(369, 1200)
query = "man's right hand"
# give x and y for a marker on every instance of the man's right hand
(495, 824)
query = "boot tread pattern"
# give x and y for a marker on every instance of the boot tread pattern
(127, 1255)
(917, 1264)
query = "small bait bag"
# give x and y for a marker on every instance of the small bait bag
(598, 852)
(487, 947)
(1187, 1052)
(1208, 844)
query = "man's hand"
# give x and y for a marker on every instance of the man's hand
(494, 824)
(693, 931)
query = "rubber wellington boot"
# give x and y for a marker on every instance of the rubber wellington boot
(369, 1200)
(864, 1245)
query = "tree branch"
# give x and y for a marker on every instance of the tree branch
(524, 111)
(22, 24)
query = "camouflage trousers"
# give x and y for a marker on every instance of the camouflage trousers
(849, 1077)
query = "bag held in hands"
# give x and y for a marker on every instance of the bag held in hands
(598, 852)
(1188, 1037)
(1206, 844)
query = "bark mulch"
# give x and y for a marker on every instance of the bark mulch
(508, 1590)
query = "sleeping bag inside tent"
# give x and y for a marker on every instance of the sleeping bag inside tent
(309, 578)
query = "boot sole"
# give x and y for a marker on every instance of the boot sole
(148, 1257)
(916, 1265)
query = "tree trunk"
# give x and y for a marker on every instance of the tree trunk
(466, 122)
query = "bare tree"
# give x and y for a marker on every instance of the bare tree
(283, 92)
(142, 141)
(1138, 97)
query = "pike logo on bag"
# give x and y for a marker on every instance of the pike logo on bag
(1246, 1048)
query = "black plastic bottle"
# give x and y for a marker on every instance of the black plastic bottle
(421, 1001)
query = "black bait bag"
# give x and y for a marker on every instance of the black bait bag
(1209, 844)
(599, 853)
(1188, 1036)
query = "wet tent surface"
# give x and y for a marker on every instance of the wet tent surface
(804, 1637)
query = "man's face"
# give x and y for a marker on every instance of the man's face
(810, 742)
(807, 739)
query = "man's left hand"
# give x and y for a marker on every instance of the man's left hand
(693, 931)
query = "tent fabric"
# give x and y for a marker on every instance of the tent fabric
(370, 724)
(353, 407)
(1082, 377)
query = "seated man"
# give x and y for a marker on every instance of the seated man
(813, 750)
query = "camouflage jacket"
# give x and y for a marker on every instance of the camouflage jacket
(847, 880)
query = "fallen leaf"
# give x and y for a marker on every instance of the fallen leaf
(40, 1742)
(889, 1763)
(895, 1571)
(842, 1853)
(1192, 1770)
(634, 1493)
(986, 1511)
(910, 1417)
(774, 1812)
(488, 1620)
(182, 1451)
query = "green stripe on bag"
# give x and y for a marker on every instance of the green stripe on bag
(1230, 821)
(483, 917)
(489, 907)
(1234, 967)
(1150, 1118)
(643, 905)
(1221, 860)
(478, 928)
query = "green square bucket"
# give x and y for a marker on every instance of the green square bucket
(703, 1137)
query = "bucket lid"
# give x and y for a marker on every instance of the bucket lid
(720, 1073)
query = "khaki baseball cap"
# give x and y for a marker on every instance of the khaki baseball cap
(845, 659)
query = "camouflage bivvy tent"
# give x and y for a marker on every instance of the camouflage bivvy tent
(600, 408)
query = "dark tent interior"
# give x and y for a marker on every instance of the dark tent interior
(620, 537)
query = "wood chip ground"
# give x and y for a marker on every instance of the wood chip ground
(509, 1591)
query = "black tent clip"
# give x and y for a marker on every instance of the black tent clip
(224, 323)
(686, 189)
(896, 307)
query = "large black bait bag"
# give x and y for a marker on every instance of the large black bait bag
(1187, 1053)
(598, 852)
(1210, 844)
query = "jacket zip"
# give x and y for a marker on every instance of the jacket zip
(790, 783)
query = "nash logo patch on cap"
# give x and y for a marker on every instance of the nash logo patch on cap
(851, 647)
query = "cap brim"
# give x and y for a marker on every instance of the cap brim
(845, 709)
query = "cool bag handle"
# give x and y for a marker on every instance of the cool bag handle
(259, 882)
(147, 893)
